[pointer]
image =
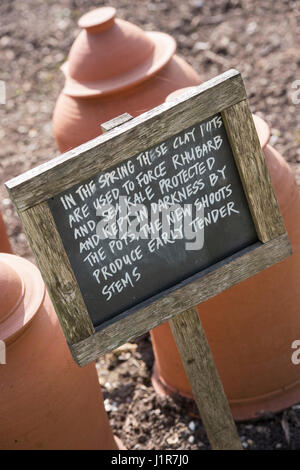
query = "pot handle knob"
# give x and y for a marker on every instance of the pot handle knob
(98, 20)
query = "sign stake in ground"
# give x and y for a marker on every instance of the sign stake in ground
(96, 220)
(205, 382)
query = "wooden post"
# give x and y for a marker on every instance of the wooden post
(205, 381)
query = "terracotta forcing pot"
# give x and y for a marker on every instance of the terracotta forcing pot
(251, 326)
(114, 67)
(46, 400)
(5, 246)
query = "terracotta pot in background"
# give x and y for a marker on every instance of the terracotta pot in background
(46, 400)
(251, 326)
(114, 67)
(5, 246)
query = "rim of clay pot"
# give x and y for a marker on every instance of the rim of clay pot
(11, 291)
(262, 127)
(164, 49)
(29, 295)
(242, 409)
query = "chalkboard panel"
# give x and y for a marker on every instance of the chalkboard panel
(194, 170)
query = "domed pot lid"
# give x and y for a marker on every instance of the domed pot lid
(111, 54)
(22, 292)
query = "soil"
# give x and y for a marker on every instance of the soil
(261, 40)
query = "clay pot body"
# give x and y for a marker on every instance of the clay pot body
(126, 70)
(251, 326)
(46, 400)
(5, 246)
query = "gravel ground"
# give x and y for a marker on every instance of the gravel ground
(259, 38)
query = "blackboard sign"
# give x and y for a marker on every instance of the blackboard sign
(193, 176)
(114, 270)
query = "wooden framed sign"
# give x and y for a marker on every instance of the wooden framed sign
(198, 161)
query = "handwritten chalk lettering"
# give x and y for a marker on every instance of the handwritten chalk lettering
(118, 245)
(214, 177)
(128, 186)
(107, 229)
(177, 212)
(136, 215)
(197, 152)
(68, 201)
(116, 287)
(137, 198)
(99, 255)
(184, 176)
(115, 219)
(149, 193)
(86, 190)
(83, 230)
(107, 198)
(79, 214)
(212, 217)
(150, 229)
(186, 138)
(150, 176)
(121, 172)
(150, 214)
(213, 197)
(94, 258)
(118, 264)
(171, 217)
(211, 125)
(148, 157)
(182, 194)
(157, 243)
(96, 275)
(178, 219)
(89, 243)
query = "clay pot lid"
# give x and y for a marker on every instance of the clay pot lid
(111, 54)
(22, 292)
(262, 128)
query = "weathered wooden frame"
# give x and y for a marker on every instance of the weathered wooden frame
(30, 191)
